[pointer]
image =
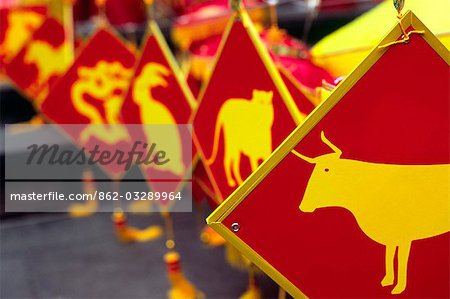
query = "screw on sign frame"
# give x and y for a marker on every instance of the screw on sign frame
(240, 206)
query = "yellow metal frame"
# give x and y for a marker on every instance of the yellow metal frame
(217, 217)
(297, 116)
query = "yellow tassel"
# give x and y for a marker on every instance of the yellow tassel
(129, 234)
(211, 238)
(144, 235)
(137, 207)
(181, 288)
(37, 120)
(235, 258)
(275, 35)
(78, 210)
(253, 292)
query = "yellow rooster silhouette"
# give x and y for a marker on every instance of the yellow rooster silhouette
(392, 204)
(21, 25)
(247, 129)
(105, 82)
(153, 111)
(50, 61)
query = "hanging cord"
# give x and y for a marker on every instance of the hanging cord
(236, 5)
(273, 12)
(311, 14)
(170, 235)
(398, 4)
(149, 4)
(102, 20)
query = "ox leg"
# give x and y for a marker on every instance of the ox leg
(389, 266)
(403, 255)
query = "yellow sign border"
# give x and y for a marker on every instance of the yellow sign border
(216, 218)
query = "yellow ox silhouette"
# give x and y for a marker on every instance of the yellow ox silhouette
(392, 204)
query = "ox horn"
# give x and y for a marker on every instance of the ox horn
(307, 159)
(331, 145)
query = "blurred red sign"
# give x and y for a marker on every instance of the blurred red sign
(17, 24)
(42, 60)
(92, 93)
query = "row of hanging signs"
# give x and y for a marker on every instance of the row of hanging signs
(350, 199)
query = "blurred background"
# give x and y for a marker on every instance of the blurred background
(83, 254)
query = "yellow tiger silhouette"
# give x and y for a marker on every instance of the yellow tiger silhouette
(247, 129)
(50, 61)
(105, 82)
(154, 112)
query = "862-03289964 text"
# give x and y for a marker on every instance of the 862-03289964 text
(98, 195)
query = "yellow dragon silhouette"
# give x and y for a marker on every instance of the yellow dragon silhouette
(247, 129)
(105, 82)
(50, 61)
(153, 111)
